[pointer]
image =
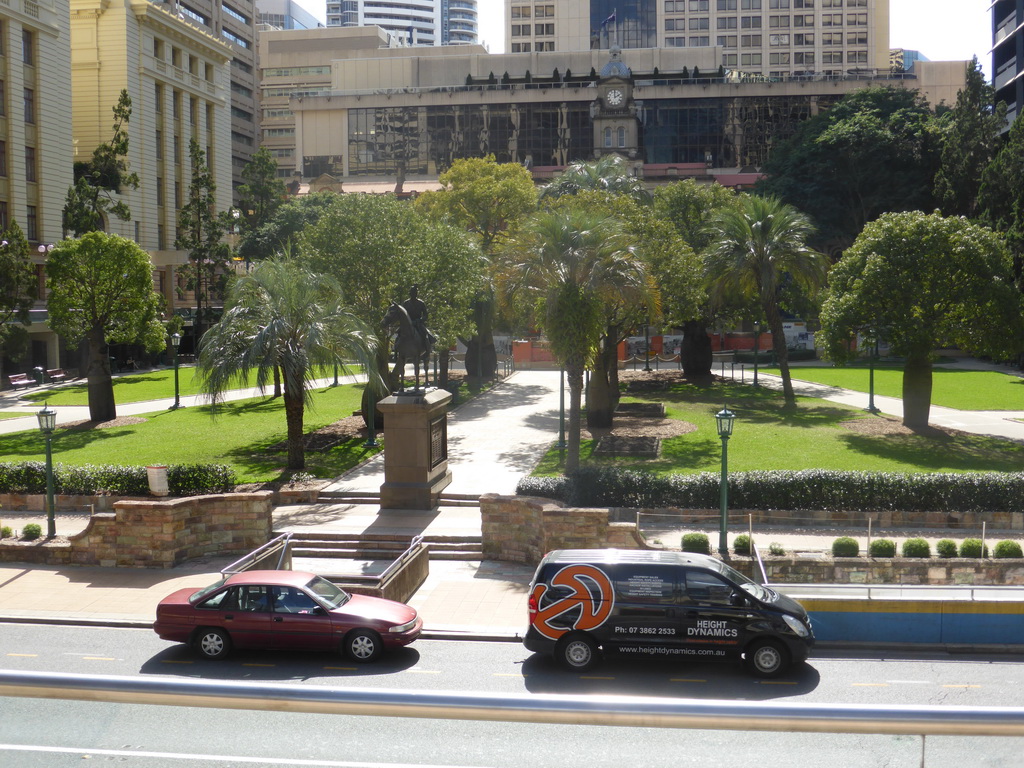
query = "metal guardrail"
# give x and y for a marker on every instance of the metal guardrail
(245, 563)
(632, 711)
(401, 560)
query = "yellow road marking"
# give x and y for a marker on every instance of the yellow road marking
(686, 680)
(98, 658)
(259, 665)
(24, 655)
(961, 686)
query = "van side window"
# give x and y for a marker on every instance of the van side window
(655, 585)
(702, 587)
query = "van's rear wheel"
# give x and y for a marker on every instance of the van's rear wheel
(767, 658)
(578, 652)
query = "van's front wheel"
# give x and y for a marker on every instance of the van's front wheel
(577, 652)
(767, 658)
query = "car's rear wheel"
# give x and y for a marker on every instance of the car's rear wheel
(577, 652)
(363, 645)
(212, 643)
(767, 658)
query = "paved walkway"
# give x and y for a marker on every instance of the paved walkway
(493, 441)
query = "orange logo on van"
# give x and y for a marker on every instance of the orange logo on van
(591, 592)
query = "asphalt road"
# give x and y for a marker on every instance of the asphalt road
(58, 733)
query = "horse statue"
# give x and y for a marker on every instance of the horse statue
(410, 344)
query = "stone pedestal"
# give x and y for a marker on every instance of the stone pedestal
(415, 449)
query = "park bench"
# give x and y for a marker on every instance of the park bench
(20, 380)
(56, 374)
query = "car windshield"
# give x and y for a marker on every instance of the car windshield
(198, 596)
(327, 592)
(757, 590)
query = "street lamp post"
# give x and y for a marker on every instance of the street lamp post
(725, 419)
(647, 344)
(872, 354)
(757, 346)
(47, 422)
(175, 342)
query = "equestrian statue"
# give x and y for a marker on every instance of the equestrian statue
(414, 341)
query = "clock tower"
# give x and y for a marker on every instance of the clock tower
(615, 123)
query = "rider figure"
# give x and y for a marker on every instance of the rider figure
(417, 312)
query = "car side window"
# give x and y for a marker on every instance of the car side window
(222, 601)
(292, 600)
(702, 587)
(254, 598)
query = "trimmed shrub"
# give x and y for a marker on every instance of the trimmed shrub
(776, 549)
(696, 542)
(1007, 549)
(845, 546)
(6, 532)
(882, 548)
(916, 548)
(972, 548)
(741, 544)
(31, 531)
(945, 548)
(113, 479)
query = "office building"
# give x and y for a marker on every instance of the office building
(415, 22)
(285, 14)
(776, 38)
(902, 60)
(1008, 54)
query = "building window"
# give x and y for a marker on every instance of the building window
(727, 5)
(702, 41)
(831, 38)
(727, 41)
(750, 5)
(750, 59)
(30, 106)
(773, 4)
(158, 97)
(177, 194)
(729, 59)
(832, 57)
(750, 41)
(778, 39)
(804, 20)
(700, 24)
(31, 223)
(856, 38)
(831, 19)
(806, 38)
(235, 14)
(159, 145)
(698, 5)
(804, 58)
(750, 22)
(831, 3)
(4, 218)
(727, 22)
(544, 29)
(232, 37)
(176, 57)
(607, 137)
(159, 190)
(777, 22)
(522, 12)
(778, 58)
(675, 42)
(28, 47)
(176, 105)
(622, 137)
(3, 158)
(3, 97)
(857, 19)
(857, 57)
(158, 49)
(803, 3)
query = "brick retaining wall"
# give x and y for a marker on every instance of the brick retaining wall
(154, 533)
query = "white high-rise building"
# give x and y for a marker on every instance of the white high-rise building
(416, 22)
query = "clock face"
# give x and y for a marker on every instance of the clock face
(615, 97)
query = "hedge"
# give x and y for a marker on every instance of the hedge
(91, 479)
(829, 490)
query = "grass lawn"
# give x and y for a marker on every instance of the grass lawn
(240, 435)
(963, 390)
(139, 387)
(14, 414)
(766, 438)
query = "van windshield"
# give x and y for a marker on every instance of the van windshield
(748, 585)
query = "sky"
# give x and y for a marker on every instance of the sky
(943, 30)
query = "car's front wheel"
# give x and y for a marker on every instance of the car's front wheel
(577, 652)
(212, 643)
(767, 658)
(363, 645)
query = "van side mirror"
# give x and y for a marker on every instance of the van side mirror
(738, 600)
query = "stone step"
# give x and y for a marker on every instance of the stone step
(304, 537)
(373, 498)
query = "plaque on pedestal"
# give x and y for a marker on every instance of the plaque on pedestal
(415, 449)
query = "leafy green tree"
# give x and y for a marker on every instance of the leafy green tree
(17, 291)
(100, 288)
(610, 173)
(283, 229)
(970, 140)
(564, 263)
(491, 200)
(92, 197)
(377, 247)
(1001, 197)
(282, 317)
(923, 281)
(873, 151)
(261, 194)
(202, 235)
(757, 247)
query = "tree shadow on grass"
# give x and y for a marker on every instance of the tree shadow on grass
(942, 451)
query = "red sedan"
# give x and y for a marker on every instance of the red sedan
(286, 610)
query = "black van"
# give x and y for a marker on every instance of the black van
(661, 605)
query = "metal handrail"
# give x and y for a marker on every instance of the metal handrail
(401, 559)
(243, 563)
(636, 711)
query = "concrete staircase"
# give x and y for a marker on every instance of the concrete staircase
(373, 498)
(344, 546)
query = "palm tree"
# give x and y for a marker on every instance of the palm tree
(281, 316)
(756, 247)
(567, 262)
(609, 173)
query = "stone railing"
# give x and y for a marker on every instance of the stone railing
(158, 534)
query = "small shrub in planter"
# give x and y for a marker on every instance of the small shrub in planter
(916, 548)
(972, 548)
(696, 542)
(845, 546)
(6, 532)
(945, 548)
(31, 531)
(776, 549)
(741, 544)
(1007, 549)
(883, 548)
